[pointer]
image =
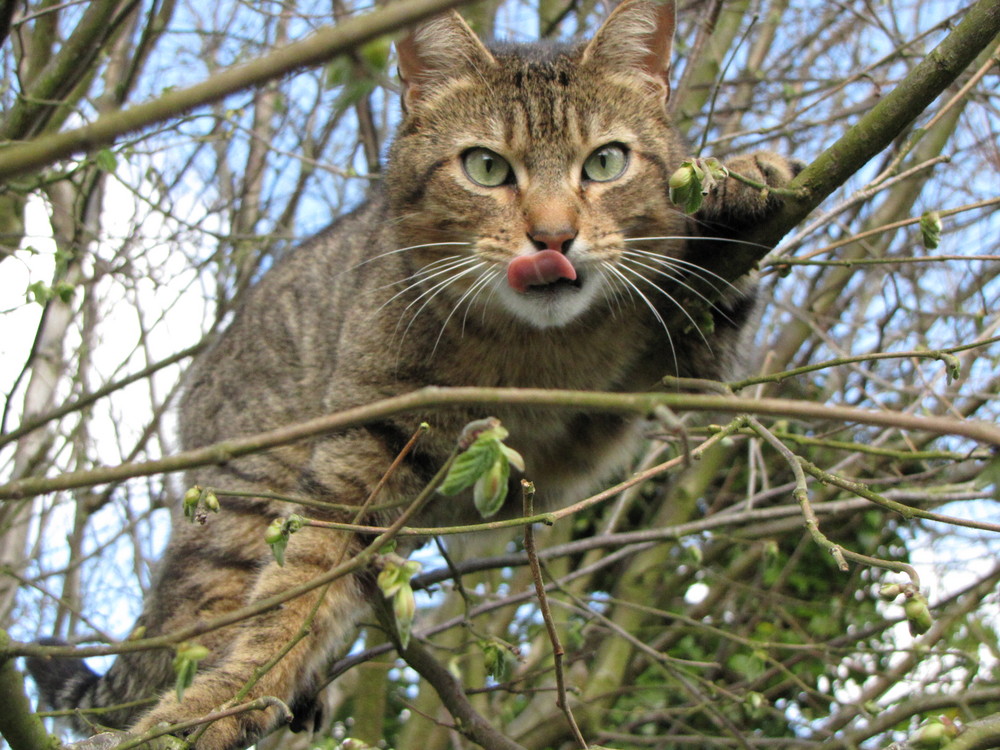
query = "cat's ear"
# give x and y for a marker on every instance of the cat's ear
(636, 38)
(437, 51)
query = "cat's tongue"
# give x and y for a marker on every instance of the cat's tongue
(538, 269)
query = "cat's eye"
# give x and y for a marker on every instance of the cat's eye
(606, 163)
(485, 167)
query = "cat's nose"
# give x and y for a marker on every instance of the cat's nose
(557, 239)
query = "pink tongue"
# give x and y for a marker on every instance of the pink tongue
(538, 269)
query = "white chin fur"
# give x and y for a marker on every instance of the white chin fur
(548, 310)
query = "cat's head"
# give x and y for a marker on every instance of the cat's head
(525, 169)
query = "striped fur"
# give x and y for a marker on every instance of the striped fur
(411, 290)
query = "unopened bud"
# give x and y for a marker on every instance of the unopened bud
(212, 502)
(918, 614)
(889, 591)
(275, 531)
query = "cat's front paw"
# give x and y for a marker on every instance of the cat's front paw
(745, 198)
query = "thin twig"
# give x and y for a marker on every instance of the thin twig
(528, 493)
(258, 704)
(431, 397)
(801, 493)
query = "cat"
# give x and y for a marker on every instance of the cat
(522, 236)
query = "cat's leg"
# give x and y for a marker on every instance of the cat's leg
(732, 206)
(327, 617)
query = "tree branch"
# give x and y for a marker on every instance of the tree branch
(452, 695)
(979, 735)
(318, 48)
(18, 725)
(431, 397)
(872, 133)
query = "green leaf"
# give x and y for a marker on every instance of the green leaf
(483, 465)
(498, 659)
(930, 229)
(106, 160)
(39, 292)
(190, 503)
(390, 580)
(339, 71)
(404, 607)
(394, 582)
(186, 665)
(64, 291)
(488, 427)
(469, 466)
(715, 171)
(353, 92)
(490, 489)
(516, 459)
(685, 187)
(278, 533)
(933, 734)
(277, 538)
(376, 54)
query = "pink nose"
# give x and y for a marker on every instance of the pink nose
(558, 240)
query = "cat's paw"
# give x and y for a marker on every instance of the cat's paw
(736, 204)
(230, 732)
(111, 739)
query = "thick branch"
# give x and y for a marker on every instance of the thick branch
(980, 735)
(18, 725)
(452, 695)
(872, 133)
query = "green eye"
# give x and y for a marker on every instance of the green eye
(485, 167)
(606, 163)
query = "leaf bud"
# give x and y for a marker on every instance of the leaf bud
(490, 489)
(404, 607)
(685, 187)
(212, 502)
(190, 502)
(934, 734)
(918, 614)
(889, 591)
(930, 229)
(275, 531)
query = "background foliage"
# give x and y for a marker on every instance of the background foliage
(695, 608)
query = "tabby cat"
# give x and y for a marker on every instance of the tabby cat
(523, 236)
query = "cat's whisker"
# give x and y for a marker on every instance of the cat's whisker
(430, 294)
(696, 238)
(652, 308)
(676, 303)
(703, 273)
(610, 292)
(402, 250)
(442, 265)
(451, 277)
(433, 292)
(493, 293)
(423, 276)
(470, 292)
(678, 279)
(486, 280)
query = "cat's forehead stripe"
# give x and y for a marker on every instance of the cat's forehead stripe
(542, 106)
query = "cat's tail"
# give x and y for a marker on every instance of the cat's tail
(69, 684)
